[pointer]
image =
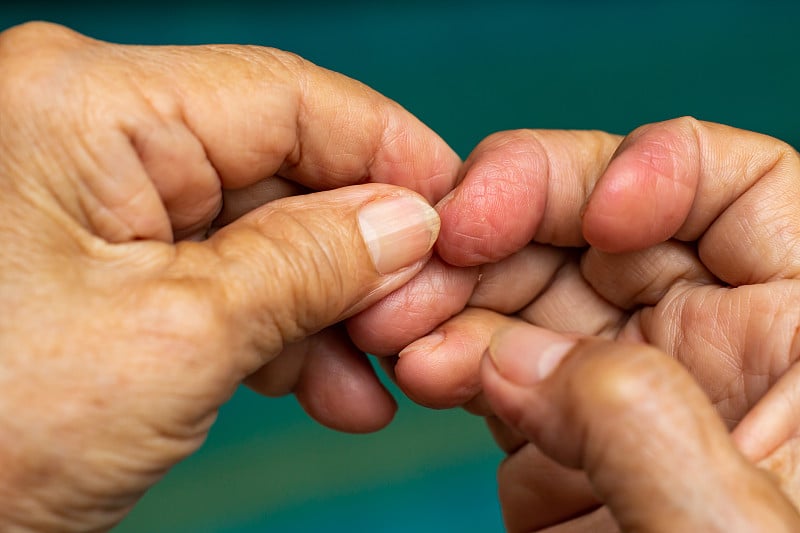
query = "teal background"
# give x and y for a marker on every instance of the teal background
(467, 69)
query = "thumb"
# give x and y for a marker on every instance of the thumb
(632, 418)
(299, 264)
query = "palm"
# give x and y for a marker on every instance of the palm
(751, 334)
(737, 341)
(748, 331)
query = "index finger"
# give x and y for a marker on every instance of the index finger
(154, 134)
(261, 111)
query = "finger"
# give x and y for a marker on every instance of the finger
(629, 412)
(339, 389)
(734, 191)
(768, 433)
(570, 304)
(751, 332)
(643, 277)
(299, 264)
(519, 185)
(434, 295)
(238, 202)
(198, 119)
(536, 492)
(773, 421)
(440, 291)
(441, 370)
(510, 284)
(332, 380)
(339, 131)
(286, 116)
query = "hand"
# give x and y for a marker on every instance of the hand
(636, 425)
(121, 333)
(683, 235)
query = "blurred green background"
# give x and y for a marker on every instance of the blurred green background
(467, 69)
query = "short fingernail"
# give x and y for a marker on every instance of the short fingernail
(446, 200)
(398, 230)
(426, 344)
(526, 354)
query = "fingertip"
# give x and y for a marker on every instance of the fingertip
(442, 369)
(497, 207)
(333, 382)
(647, 191)
(367, 414)
(623, 212)
(430, 380)
(342, 392)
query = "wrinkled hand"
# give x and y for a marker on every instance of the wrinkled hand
(683, 235)
(123, 327)
(637, 425)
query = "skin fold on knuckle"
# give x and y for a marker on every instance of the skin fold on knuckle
(31, 71)
(38, 60)
(46, 75)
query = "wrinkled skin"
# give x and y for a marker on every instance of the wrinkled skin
(638, 427)
(124, 329)
(682, 235)
(127, 334)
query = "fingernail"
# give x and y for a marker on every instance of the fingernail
(526, 355)
(426, 344)
(398, 230)
(446, 200)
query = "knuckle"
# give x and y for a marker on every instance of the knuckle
(662, 136)
(28, 43)
(35, 63)
(258, 61)
(686, 122)
(520, 148)
(292, 62)
(32, 34)
(788, 154)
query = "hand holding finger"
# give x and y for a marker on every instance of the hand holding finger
(651, 444)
